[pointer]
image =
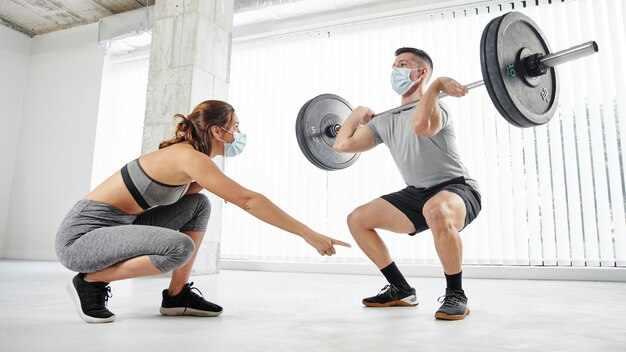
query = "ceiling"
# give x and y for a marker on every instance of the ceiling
(35, 17)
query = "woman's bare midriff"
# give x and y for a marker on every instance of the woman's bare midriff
(113, 191)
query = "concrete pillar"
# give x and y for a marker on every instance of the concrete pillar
(189, 63)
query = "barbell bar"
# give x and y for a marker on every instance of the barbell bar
(518, 71)
(539, 63)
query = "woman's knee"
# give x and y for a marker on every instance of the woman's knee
(202, 205)
(185, 248)
(180, 250)
(201, 208)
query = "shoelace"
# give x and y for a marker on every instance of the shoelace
(389, 290)
(194, 295)
(97, 297)
(450, 299)
(107, 294)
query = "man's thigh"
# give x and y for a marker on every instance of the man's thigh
(380, 214)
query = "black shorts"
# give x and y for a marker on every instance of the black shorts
(411, 200)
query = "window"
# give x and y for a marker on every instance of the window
(552, 195)
(120, 115)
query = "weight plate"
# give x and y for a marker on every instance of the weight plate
(489, 29)
(314, 118)
(504, 39)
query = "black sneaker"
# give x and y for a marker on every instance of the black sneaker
(454, 305)
(91, 299)
(188, 302)
(391, 296)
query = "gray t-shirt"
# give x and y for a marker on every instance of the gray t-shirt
(422, 161)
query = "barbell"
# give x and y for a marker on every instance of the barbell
(519, 72)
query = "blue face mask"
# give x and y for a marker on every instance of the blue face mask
(401, 79)
(236, 147)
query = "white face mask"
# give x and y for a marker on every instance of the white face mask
(236, 147)
(401, 79)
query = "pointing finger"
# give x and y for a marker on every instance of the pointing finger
(341, 243)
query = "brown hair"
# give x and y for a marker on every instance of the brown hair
(194, 128)
(419, 54)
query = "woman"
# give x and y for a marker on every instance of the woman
(148, 218)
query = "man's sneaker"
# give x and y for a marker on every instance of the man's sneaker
(91, 299)
(391, 296)
(454, 305)
(188, 302)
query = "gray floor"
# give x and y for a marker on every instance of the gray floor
(267, 311)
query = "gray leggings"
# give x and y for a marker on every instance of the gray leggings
(94, 235)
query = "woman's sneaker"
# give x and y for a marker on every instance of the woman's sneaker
(188, 302)
(391, 296)
(91, 299)
(454, 305)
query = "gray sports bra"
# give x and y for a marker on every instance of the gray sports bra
(147, 191)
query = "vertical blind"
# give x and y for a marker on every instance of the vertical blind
(120, 114)
(552, 195)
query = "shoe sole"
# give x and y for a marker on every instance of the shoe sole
(410, 301)
(71, 289)
(179, 311)
(444, 316)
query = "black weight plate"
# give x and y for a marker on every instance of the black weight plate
(314, 118)
(490, 29)
(503, 40)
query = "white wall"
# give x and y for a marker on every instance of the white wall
(14, 56)
(56, 138)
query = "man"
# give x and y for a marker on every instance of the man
(440, 195)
